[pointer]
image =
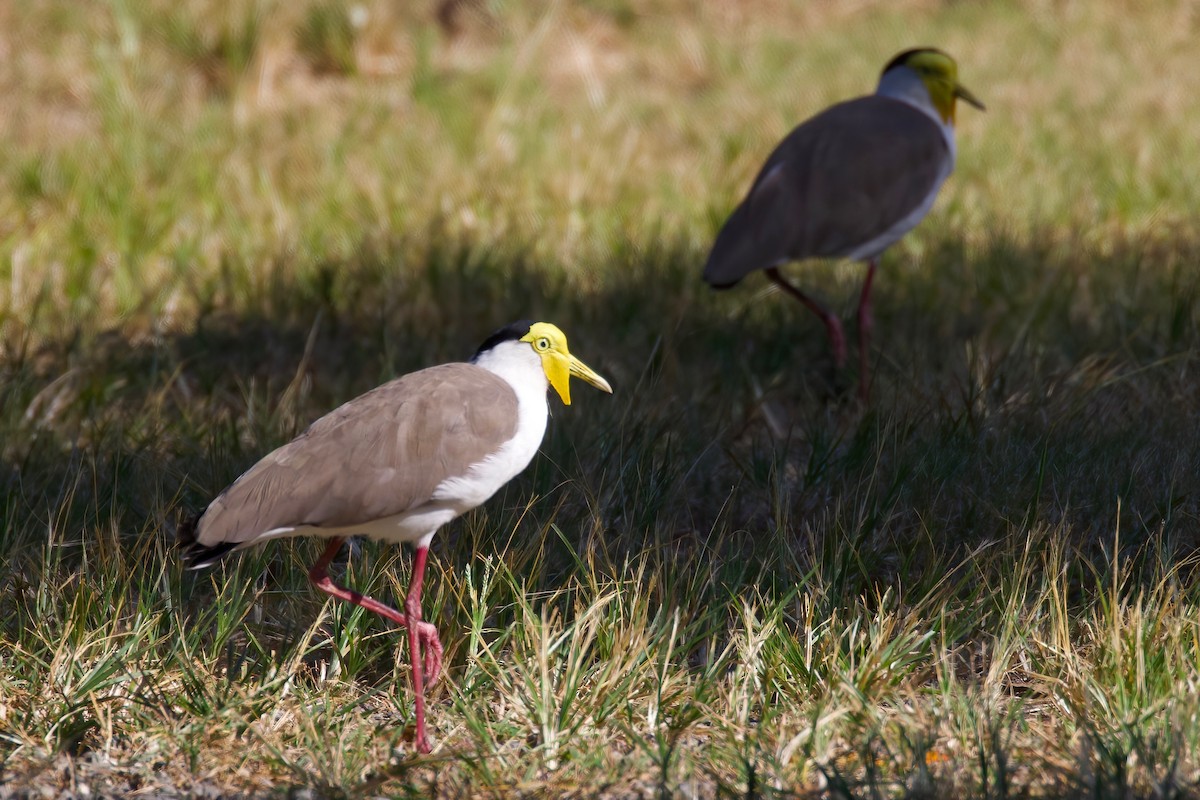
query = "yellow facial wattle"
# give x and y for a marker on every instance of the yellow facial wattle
(939, 73)
(551, 344)
(558, 371)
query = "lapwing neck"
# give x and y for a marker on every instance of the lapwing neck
(519, 366)
(903, 84)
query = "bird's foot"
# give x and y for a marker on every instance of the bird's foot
(431, 648)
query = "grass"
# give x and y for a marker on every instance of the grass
(218, 221)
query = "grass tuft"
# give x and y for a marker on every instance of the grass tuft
(328, 36)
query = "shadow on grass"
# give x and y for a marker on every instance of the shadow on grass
(1019, 386)
(1037, 397)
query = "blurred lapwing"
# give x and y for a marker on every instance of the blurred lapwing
(396, 464)
(847, 184)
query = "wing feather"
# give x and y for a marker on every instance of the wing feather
(378, 455)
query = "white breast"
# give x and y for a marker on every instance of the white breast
(522, 368)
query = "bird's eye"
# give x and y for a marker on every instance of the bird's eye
(543, 344)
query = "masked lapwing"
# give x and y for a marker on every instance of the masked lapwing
(847, 184)
(396, 464)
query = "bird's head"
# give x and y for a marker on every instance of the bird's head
(938, 72)
(549, 344)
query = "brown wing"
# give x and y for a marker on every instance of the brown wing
(380, 454)
(837, 181)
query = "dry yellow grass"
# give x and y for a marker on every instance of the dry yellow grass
(212, 229)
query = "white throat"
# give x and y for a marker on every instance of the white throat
(518, 364)
(521, 367)
(903, 84)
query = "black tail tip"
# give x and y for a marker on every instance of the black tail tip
(721, 286)
(715, 279)
(200, 556)
(196, 555)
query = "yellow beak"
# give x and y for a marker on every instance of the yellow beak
(965, 93)
(560, 379)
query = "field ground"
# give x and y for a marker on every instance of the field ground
(220, 219)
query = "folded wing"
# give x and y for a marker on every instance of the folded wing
(842, 179)
(379, 455)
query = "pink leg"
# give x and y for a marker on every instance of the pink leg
(419, 633)
(833, 325)
(412, 611)
(865, 324)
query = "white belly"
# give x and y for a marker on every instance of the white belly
(415, 527)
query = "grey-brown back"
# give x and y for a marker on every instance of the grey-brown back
(378, 455)
(839, 180)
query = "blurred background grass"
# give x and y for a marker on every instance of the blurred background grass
(220, 219)
(165, 156)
